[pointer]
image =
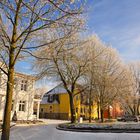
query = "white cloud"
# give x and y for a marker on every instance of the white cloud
(118, 23)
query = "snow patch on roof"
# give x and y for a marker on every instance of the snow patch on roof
(57, 90)
(45, 101)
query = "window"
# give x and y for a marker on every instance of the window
(24, 85)
(81, 110)
(50, 107)
(41, 109)
(76, 109)
(51, 97)
(34, 113)
(22, 106)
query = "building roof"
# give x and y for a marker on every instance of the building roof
(25, 75)
(59, 89)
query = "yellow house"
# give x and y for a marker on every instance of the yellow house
(55, 105)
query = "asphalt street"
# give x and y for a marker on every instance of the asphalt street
(49, 132)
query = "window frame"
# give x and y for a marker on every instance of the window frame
(23, 85)
(22, 106)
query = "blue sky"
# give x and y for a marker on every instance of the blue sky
(117, 22)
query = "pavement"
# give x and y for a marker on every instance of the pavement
(49, 132)
(11, 125)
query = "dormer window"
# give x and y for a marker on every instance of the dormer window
(51, 98)
(24, 85)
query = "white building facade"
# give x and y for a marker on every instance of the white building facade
(23, 97)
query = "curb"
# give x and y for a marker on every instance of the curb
(100, 130)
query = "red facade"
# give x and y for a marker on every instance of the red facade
(115, 111)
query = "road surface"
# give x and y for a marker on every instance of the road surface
(49, 132)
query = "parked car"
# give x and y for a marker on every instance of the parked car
(126, 118)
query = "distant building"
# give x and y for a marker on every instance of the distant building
(55, 105)
(114, 111)
(23, 97)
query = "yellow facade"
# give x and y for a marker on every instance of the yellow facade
(61, 110)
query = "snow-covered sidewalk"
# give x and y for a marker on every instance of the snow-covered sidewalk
(11, 125)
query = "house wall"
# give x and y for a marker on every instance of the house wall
(64, 106)
(19, 95)
(58, 111)
(61, 110)
(94, 113)
(28, 97)
(49, 111)
(3, 79)
(2, 103)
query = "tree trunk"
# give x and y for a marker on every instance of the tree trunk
(98, 110)
(8, 105)
(10, 81)
(134, 108)
(72, 110)
(89, 113)
(138, 107)
(102, 115)
(90, 109)
(109, 117)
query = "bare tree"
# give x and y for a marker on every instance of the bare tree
(130, 95)
(95, 49)
(67, 62)
(22, 25)
(106, 77)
